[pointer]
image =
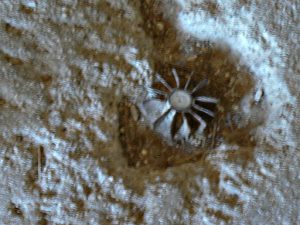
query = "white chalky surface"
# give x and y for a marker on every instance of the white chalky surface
(94, 53)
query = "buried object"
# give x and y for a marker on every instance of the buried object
(176, 104)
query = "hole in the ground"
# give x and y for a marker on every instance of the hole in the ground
(228, 81)
(143, 147)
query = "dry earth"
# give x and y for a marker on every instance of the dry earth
(75, 148)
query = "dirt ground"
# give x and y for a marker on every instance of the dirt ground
(76, 148)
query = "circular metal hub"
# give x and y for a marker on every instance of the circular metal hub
(180, 100)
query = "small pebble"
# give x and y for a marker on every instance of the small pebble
(191, 58)
(160, 26)
(122, 130)
(31, 4)
(134, 113)
(220, 108)
(144, 152)
(235, 107)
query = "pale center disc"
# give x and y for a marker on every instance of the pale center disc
(180, 100)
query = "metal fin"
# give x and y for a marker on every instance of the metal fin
(206, 111)
(176, 124)
(200, 85)
(156, 91)
(206, 99)
(188, 82)
(186, 127)
(165, 83)
(176, 77)
(199, 119)
(160, 119)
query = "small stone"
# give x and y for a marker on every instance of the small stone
(134, 113)
(191, 58)
(144, 152)
(220, 108)
(160, 26)
(231, 82)
(258, 95)
(235, 108)
(122, 130)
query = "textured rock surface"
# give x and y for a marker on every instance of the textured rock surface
(73, 148)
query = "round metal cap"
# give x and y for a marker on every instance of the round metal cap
(180, 100)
